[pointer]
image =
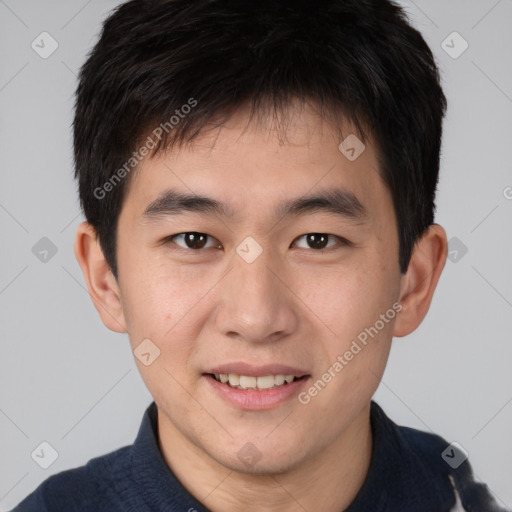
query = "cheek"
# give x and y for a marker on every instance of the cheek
(167, 305)
(164, 310)
(358, 308)
(347, 299)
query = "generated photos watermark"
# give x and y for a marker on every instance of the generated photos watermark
(343, 359)
(145, 149)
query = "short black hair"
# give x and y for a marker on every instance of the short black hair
(178, 65)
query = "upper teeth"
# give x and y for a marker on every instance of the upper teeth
(247, 382)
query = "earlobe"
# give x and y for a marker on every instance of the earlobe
(103, 288)
(420, 280)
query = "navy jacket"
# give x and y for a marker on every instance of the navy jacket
(407, 473)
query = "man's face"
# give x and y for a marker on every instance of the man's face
(253, 294)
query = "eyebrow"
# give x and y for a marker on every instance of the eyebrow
(339, 201)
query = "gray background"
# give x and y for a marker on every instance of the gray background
(67, 380)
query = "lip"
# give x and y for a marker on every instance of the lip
(253, 399)
(241, 368)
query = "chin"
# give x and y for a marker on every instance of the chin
(256, 458)
(264, 467)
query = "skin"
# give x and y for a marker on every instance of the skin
(292, 305)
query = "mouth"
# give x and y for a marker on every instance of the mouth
(255, 387)
(259, 383)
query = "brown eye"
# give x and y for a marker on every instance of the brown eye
(318, 241)
(191, 239)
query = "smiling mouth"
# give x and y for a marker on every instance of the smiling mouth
(247, 382)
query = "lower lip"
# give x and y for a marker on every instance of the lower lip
(254, 400)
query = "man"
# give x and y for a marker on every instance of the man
(259, 181)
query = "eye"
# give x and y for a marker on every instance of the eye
(192, 240)
(319, 241)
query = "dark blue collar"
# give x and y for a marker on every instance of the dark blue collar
(406, 471)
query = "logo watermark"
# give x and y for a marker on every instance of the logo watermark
(144, 150)
(355, 348)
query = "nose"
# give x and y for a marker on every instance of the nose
(256, 303)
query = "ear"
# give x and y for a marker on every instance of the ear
(419, 282)
(103, 287)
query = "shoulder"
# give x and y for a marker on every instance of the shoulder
(95, 486)
(444, 462)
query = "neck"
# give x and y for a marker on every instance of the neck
(327, 481)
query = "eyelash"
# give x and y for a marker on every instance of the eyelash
(341, 241)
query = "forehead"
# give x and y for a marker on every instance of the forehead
(249, 168)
